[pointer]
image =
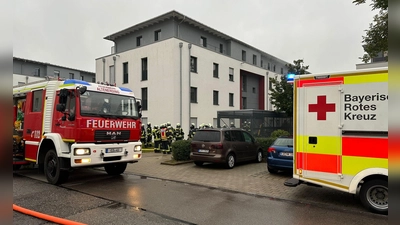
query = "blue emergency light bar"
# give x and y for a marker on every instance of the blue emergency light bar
(290, 77)
(125, 89)
(73, 81)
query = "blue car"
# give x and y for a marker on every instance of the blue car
(280, 155)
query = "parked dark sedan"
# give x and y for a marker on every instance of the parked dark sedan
(224, 145)
(280, 155)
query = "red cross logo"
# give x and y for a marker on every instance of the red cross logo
(321, 108)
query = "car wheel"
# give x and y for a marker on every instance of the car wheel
(230, 161)
(259, 156)
(374, 195)
(271, 170)
(198, 163)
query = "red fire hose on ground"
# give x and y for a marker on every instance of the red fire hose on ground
(45, 216)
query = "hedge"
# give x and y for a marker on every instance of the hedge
(181, 150)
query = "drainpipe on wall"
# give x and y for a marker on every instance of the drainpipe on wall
(267, 91)
(180, 83)
(104, 69)
(190, 104)
(114, 58)
(184, 17)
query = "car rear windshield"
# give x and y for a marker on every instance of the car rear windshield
(207, 136)
(284, 142)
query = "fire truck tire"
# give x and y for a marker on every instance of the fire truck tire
(115, 168)
(52, 170)
(374, 195)
(16, 167)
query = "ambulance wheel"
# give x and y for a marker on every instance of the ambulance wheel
(115, 168)
(52, 170)
(374, 195)
(230, 161)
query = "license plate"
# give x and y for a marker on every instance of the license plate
(113, 150)
(203, 150)
(286, 154)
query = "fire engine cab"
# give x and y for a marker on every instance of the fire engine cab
(61, 125)
(341, 134)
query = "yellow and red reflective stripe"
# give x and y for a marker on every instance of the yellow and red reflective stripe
(365, 147)
(320, 82)
(318, 162)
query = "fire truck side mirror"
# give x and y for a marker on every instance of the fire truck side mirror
(60, 107)
(139, 108)
(82, 89)
(63, 96)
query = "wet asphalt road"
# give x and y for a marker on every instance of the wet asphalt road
(92, 197)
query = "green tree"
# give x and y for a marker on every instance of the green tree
(282, 91)
(376, 38)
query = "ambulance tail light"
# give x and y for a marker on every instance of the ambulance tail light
(271, 150)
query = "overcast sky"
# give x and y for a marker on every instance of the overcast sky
(327, 34)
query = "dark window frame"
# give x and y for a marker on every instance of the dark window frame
(231, 99)
(139, 41)
(145, 93)
(254, 59)
(215, 70)
(144, 63)
(193, 64)
(125, 73)
(193, 94)
(244, 55)
(203, 41)
(231, 75)
(157, 35)
(215, 97)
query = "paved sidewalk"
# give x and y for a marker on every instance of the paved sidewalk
(251, 178)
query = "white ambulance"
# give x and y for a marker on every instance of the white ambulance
(341, 134)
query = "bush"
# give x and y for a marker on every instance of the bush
(181, 150)
(265, 143)
(278, 133)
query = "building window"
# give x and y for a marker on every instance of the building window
(269, 66)
(243, 55)
(125, 72)
(71, 75)
(193, 94)
(244, 84)
(215, 97)
(203, 41)
(262, 63)
(144, 69)
(193, 64)
(254, 90)
(244, 101)
(215, 70)
(281, 70)
(221, 48)
(230, 74)
(94, 79)
(274, 68)
(139, 41)
(57, 73)
(157, 35)
(254, 60)
(230, 99)
(82, 78)
(37, 72)
(144, 98)
(37, 101)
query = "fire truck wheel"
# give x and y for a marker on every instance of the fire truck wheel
(374, 195)
(115, 168)
(54, 174)
(16, 167)
(230, 161)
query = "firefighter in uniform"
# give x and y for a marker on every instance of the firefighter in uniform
(192, 131)
(164, 139)
(143, 135)
(232, 125)
(149, 136)
(179, 134)
(170, 137)
(157, 138)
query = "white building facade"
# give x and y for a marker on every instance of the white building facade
(184, 72)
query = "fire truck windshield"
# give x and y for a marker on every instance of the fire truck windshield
(108, 105)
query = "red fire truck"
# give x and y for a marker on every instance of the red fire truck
(62, 125)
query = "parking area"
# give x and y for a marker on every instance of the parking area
(251, 178)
